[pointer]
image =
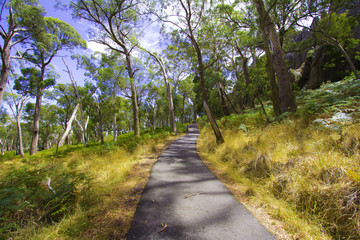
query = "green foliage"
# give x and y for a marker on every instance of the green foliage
(25, 197)
(330, 98)
(31, 80)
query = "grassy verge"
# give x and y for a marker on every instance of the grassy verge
(96, 189)
(300, 175)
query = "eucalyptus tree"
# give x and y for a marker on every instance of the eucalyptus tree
(17, 103)
(23, 16)
(244, 18)
(187, 17)
(65, 98)
(161, 63)
(56, 35)
(284, 79)
(50, 126)
(336, 29)
(107, 70)
(83, 124)
(117, 22)
(186, 90)
(111, 74)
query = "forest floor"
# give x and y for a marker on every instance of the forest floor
(184, 200)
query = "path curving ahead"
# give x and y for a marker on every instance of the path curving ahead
(184, 200)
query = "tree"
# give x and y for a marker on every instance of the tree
(286, 93)
(116, 21)
(83, 124)
(23, 16)
(55, 36)
(65, 98)
(336, 29)
(168, 90)
(17, 104)
(245, 19)
(190, 15)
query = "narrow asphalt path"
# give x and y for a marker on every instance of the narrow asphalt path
(184, 200)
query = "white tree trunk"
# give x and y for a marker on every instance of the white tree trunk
(68, 126)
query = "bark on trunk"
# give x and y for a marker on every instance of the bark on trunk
(101, 126)
(5, 68)
(244, 61)
(5, 53)
(36, 126)
(21, 149)
(222, 99)
(215, 127)
(286, 93)
(114, 116)
(68, 126)
(183, 109)
(133, 94)
(269, 61)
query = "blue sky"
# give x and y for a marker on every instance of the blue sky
(149, 41)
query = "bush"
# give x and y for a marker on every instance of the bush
(25, 196)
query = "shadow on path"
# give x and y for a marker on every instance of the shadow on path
(183, 195)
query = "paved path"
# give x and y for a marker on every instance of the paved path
(183, 196)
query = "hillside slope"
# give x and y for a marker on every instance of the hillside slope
(302, 169)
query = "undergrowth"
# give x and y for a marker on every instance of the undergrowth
(304, 168)
(64, 189)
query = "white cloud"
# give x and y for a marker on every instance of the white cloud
(96, 47)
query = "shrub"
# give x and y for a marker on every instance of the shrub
(25, 196)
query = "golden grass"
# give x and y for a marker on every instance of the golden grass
(311, 189)
(106, 211)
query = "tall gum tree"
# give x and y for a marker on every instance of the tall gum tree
(286, 93)
(168, 90)
(56, 35)
(23, 16)
(116, 21)
(17, 104)
(188, 18)
(238, 21)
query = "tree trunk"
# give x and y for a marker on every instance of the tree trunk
(47, 140)
(269, 61)
(5, 68)
(154, 119)
(21, 149)
(68, 126)
(244, 61)
(183, 109)
(101, 126)
(35, 136)
(286, 93)
(133, 94)
(222, 99)
(114, 116)
(348, 59)
(215, 127)
(168, 92)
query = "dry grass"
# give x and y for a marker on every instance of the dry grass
(304, 179)
(106, 211)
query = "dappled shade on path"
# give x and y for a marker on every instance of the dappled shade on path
(184, 200)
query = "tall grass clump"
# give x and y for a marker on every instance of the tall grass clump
(303, 168)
